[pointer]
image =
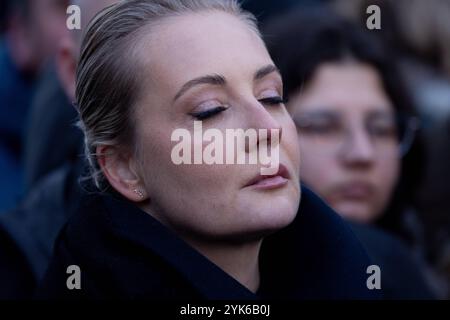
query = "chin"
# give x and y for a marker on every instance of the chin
(270, 216)
(257, 215)
(357, 213)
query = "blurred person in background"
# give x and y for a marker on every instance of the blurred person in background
(52, 118)
(32, 32)
(419, 31)
(356, 133)
(54, 166)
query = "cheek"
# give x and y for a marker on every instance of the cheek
(317, 171)
(199, 199)
(290, 144)
(388, 172)
(185, 189)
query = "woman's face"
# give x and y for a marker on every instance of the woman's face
(202, 200)
(347, 137)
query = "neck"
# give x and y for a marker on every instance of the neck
(238, 260)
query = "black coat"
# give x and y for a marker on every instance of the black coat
(125, 253)
(27, 233)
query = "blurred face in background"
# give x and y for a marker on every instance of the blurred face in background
(35, 34)
(348, 139)
(70, 44)
(49, 24)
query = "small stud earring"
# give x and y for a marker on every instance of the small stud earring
(139, 193)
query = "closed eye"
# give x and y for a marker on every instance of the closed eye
(203, 115)
(272, 101)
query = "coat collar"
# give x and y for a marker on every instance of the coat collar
(316, 257)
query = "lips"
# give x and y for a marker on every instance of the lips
(356, 190)
(267, 182)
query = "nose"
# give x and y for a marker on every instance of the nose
(269, 130)
(358, 149)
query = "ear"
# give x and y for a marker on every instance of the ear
(66, 61)
(120, 171)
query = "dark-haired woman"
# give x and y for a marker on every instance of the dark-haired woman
(356, 129)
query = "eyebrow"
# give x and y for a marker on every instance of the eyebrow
(335, 115)
(214, 79)
(219, 80)
(265, 71)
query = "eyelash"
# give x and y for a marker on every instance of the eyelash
(271, 101)
(208, 113)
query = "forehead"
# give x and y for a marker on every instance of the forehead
(192, 45)
(348, 87)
